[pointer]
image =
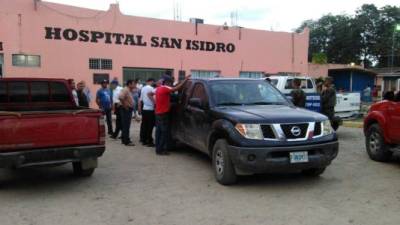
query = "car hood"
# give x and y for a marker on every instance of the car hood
(268, 114)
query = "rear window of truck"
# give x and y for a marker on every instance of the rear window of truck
(33, 91)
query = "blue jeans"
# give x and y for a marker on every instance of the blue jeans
(126, 118)
(162, 132)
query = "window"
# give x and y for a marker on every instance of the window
(3, 92)
(18, 92)
(59, 92)
(26, 60)
(100, 64)
(254, 75)
(305, 84)
(40, 92)
(99, 77)
(204, 74)
(200, 92)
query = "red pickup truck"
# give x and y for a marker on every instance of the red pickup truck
(40, 124)
(382, 130)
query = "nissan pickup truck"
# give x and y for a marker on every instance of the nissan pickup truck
(40, 124)
(382, 130)
(248, 127)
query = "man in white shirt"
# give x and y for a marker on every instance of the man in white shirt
(116, 89)
(146, 108)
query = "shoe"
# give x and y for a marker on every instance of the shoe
(165, 153)
(130, 144)
(113, 137)
(151, 145)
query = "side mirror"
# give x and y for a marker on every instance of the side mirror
(196, 102)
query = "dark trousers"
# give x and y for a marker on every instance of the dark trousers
(107, 113)
(118, 120)
(162, 132)
(146, 127)
(329, 112)
(126, 118)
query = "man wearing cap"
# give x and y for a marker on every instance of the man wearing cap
(146, 108)
(103, 100)
(116, 89)
(162, 108)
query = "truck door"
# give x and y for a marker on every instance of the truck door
(394, 121)
(199, 122)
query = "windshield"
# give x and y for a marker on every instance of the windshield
(245, 93)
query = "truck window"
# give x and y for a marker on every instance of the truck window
(309, 84)
(40, 91)
(3, 92)
(274, 82)
(59, 92)
(200, 92)
(185, 92)
(304, 84)
(18, 91)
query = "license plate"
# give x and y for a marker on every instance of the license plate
(298, 157)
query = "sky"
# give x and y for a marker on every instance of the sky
(276, 15)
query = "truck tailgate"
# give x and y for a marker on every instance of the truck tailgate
(43, 130)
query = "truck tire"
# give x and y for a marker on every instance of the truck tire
(224, 170)
(314, 172)
(80, 172)
(377, 149)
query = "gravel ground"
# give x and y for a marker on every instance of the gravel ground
(134, 186)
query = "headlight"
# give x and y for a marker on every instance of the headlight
(250, 131)
(327, 128)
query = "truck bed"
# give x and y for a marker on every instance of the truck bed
(27, 130)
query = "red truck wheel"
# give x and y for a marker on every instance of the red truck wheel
(377, 149)
(82, 168)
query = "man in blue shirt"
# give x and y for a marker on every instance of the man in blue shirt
(103, 100)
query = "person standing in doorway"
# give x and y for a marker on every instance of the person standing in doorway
(103, 100)
(116, 107)
(127, 104)
(162, 108)
(328, 99)
(298, 95)
(146, 109)
(82, 98)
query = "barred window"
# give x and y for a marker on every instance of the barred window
(254, 75)
(26, 60)
(100, 64)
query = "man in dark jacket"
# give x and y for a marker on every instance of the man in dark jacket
(298, 95)
(328, 99)
(82, 98)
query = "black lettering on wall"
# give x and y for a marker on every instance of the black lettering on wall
(108, 36)
(140, 41)
(176, 43)
(1, 46)
(84, 35)
(53, 33)
(230, 47)
(202, 45)
(195, 45)
(118, 38)
(129, 39)
(96, 35)
(154, 42)
(70, 34)
(220, 47)
(165, 43)
(189, 44)
(210, 46)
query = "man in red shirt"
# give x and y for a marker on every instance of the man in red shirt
(162, 108)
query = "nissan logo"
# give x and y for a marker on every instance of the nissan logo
(296, 131)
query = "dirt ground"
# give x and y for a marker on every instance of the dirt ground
(134, 186)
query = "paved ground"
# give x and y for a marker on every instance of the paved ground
(133, 186)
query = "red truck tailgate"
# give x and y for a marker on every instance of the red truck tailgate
(43, 130)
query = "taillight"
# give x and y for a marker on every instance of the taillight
(102, 131)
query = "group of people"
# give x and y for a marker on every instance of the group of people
(152, 101)
(327, 92)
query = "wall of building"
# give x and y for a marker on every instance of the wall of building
(322, 70)
(22, 29)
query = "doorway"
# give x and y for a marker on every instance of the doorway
(142, 74)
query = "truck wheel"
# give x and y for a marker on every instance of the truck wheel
(81, 171)
(223, 167)
(314, 172)
(377, 149)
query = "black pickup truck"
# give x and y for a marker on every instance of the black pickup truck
(248, 127)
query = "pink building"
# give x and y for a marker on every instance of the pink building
(42, 39)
